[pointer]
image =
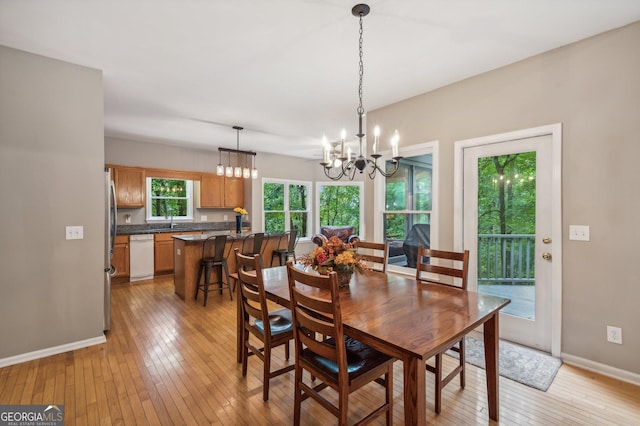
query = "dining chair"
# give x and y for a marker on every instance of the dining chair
(207, 263)
(291, 238)
(272, 329)
(451, 270)
(380, 261)
(337, 361)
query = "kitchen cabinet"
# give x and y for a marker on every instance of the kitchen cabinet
(163, 251)
(233, 192)
(211, 191)
(215, 191)
(130, 186)
(120, 259)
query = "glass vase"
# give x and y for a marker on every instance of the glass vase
(238, 224)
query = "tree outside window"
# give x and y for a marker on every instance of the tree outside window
(339, 204)
(286, 206)
(169, 198)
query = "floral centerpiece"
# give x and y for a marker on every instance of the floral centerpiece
(335, 255)
(239, 211)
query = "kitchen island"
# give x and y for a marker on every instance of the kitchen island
(187, 252)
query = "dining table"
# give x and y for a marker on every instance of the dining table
(411, 321)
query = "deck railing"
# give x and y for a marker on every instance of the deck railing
(506, 259)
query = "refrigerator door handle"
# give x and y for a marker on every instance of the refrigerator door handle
(114, 218)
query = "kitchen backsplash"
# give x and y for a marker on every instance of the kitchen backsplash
(137, 216)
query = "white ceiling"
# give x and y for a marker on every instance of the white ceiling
(182, 72)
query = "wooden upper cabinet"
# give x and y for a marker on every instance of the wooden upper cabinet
(211, 191)
(233, 192)
(130, 186)
(215, 191)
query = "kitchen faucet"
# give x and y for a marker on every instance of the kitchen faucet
(170, 213)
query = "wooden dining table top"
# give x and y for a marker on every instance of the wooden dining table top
(415, 319)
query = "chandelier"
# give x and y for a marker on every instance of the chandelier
(242, 164)
(338, 163)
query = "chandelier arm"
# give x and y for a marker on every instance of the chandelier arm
(328, 174)
(391, 173)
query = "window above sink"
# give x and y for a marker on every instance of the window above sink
(169, 200)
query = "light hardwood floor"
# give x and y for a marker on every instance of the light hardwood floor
(172, 362)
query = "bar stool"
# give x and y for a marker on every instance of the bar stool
(249, 250)
(283, 253)
(219, 261)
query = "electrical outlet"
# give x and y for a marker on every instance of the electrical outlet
(225, 217)
(614, 334)
(74, 232)
(203, 218)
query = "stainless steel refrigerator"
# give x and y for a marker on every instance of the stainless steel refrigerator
(111, 222)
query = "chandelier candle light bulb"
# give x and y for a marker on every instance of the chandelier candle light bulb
(376, 137)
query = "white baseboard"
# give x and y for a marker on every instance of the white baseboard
(30, 356)
(605, 370)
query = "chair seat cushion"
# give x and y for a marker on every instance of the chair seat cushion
(279, 321)
(360, 358)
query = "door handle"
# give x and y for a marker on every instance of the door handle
(546, 256)
(546, 240)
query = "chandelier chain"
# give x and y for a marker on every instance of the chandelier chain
(360, 110)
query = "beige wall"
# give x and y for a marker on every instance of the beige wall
(52, 174)
(593, 88)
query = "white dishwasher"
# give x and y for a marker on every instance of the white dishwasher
(140, 257)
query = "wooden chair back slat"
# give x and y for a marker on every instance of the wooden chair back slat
(459, 267)
(380, 260)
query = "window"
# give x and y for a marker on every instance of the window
(285, 205)
(169, 199)
(340, 204)
(408, 206)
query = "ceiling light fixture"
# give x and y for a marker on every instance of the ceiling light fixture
(238, 170)
(336, 162)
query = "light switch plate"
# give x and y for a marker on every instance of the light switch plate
(75, 232)
(579, 232)
(203, 218)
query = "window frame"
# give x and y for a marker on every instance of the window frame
(188, 196)
(379, 198)
(360, 186)
(286, 211)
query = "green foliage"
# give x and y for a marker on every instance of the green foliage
(340, 206)
(168, 197)
(506, 206)
(507, 194)
(274, 209)
(273, 196)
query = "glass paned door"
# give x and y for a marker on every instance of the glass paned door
(507, 223)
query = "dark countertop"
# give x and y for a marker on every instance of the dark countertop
(155, 228)
(204, 236)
